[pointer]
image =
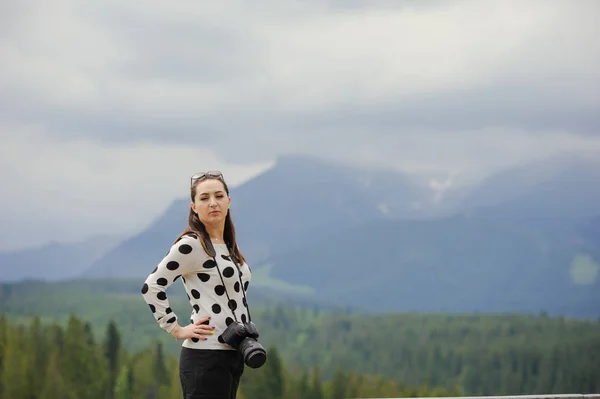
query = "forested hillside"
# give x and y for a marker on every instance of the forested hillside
(476, 353)
(40, 361)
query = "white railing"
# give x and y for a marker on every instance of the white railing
(564, 396)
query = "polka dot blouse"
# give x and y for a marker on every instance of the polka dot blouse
(204, 287)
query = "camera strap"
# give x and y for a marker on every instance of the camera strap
(213, 254)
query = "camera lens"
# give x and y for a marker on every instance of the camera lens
(254, 353)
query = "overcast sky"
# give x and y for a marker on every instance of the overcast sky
(107, 107)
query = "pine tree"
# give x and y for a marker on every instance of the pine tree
(316, 385)
(83, 366)
(175, 384)
(124, 384)
(89, 334)
(274, 373)
(36, 351)
(142, 366)
(3, 338)
(54, 385)
(161, 375)
(339, 385)
(355, 382)
(112, 347)
(14, 372)
(303, 390)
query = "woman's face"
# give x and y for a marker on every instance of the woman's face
(211, 202)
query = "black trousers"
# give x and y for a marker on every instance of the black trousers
(210, 374)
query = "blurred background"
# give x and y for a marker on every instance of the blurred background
(415, 184)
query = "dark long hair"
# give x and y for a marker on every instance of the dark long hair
(195, 226)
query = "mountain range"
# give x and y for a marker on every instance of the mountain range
(524, 240)
(54, 261)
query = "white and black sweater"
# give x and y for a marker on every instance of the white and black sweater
(203, 285)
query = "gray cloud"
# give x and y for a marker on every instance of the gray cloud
(215, 73)
(450, 87)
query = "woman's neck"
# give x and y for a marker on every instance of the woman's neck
(215, 233)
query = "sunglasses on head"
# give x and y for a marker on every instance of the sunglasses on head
(203, 175)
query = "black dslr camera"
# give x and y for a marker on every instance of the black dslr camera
(242, 336)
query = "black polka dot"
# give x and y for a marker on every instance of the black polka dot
(232, 304)
(162, 281)
(195, 340)
(244, 302)
(226, 257)
(183, 278)
(144, 288)
(155, 269)
(236, 286)
(221, 340)
(168, 310)
(185, 249)
(191, 321)
(228, 271)
(161, 295)
(216, 308)
(192, 235)
(172, 320)
(189, 299)
(196, 294)
(228, 321)
(196, 308)
(209, 264)
(204, 277)
(219, 290)
(152, 308)
(246, 285)
(176, 277)
(244, 319)
(173, 265)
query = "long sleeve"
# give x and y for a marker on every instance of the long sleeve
(183, 258)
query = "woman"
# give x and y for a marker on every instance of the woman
(215, 286)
